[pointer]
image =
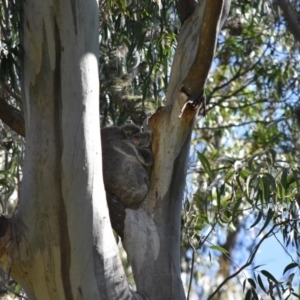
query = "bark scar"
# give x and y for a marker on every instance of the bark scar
(194, 103)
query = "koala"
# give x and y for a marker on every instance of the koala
(126, 163)
(116, 213)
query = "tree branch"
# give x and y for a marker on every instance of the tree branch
(185, 8)
(196, 77)
(290, 18)
(12, 117)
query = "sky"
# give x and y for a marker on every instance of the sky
(276, 259)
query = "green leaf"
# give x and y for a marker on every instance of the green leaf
(219, 248)
(289, 280)
(252, 282)
(261, 283)
(290, 180)
(283, 179)
(273, 154)
(280, 192)
(123, 3)
(248, 184)
(254, 296)
(17, 289)
(267, 191)
(248, 295)
(229, 174)
(294, 294)
(269, 275)
(244, 174)
(205, 164)
(258, 266)
(268, 219)
(266, 181)
(290, 266)
(270, 180)
(257, 219)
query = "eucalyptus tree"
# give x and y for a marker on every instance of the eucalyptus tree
(243, 166)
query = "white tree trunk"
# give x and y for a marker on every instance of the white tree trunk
(65, 247)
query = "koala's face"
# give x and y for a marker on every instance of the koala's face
(142, 139)
(129, 130)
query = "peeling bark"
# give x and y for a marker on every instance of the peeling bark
(12, 117)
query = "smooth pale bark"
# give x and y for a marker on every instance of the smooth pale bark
(64, 247)
(152, 233)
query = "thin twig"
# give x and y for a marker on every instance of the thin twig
(283, 248)
(192, 271)
(250, 259)
(238, 125)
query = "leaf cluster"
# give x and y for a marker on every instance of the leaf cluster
(137, 41)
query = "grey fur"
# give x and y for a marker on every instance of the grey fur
(126, 159)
